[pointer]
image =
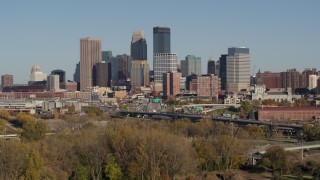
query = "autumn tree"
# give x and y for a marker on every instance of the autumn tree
(19, 161)
(33, 130)
(275, 158)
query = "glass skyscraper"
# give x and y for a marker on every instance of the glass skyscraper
(191, 65)
(138, 46)
(161, 40)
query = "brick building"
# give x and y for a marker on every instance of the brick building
(171, 83)
(6, 80)
(283, 114)
(205, 85)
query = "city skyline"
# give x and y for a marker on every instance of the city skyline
(33, 33)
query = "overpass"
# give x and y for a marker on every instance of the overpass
(198, 117)
(293, 146)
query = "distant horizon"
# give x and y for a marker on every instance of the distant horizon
(281, 35)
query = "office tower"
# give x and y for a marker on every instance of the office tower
(238, 69)
(162, 63)
(312, 81)
(106, 56)
(140, 73)
(171, 83)
(53, 83)
(6, 80)
(223, 71)
(90, 54)
(138, 46)
(270, 79)
(205, 85)
(161, 40)
(37, 74)
(211, 66)
(100, 74)
(217, 70)
(191, 65)
(109, 73)
(76, 75)
(61, 73)
(121, 70)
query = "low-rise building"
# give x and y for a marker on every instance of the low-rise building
(283, 114)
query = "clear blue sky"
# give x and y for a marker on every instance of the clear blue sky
(280, 34)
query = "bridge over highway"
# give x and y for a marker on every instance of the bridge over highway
(198, 117)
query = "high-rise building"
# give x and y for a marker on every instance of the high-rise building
(307, 72)
(76, 75)
(161, 40)
(223, 71)
(37, 74)
(171, 83)
(293, 79)
(138, 46)
(6, 80)
(217, 70)
(211, 66)
(312, 81)
(238, 69)
(106, 55)
(61, 74)
(191, 65)
(121, 70)
(270, 79)
(140, 73)
(90, 54)
(100, 74)
(53, 83)
(205, 85)
(163, 63)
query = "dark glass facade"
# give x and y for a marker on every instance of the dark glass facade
(139, 50)
(106, 55)
(211, 67)
(61, 73)
(100, 74)
(161, 40)
(223, 71)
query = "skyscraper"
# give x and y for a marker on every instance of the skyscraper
(238, 69)
(61, 73)
(223, 71)
(6, 80)
(90, 54)
(161, 40)
(121, 69)
(163, 63)
(211, 66)
(140, 74)
(106, 56)
(191, 65)
(138, 46)
(76, 75)
(100, 71)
